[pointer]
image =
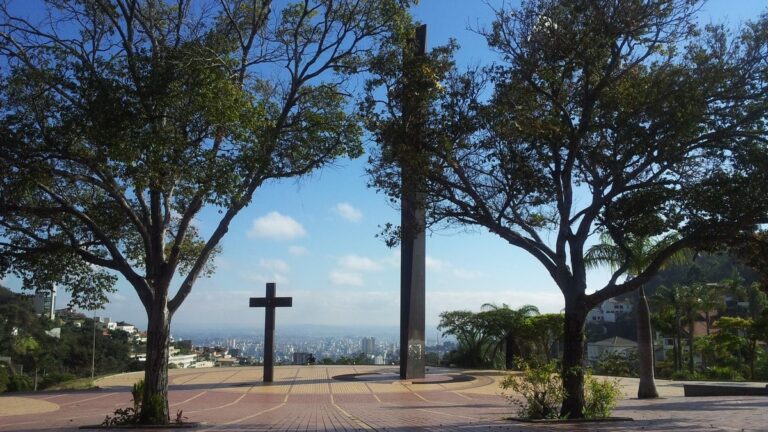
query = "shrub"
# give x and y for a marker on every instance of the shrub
(540, 387)
(600, 397)
(130, 415)
(4, 378)
(617, 364)
(723, 373)
(18, 382)
(55, 378)
(684, 375)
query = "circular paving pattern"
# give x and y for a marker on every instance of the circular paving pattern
(395, 378)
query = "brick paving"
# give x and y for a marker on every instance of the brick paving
(308, 399)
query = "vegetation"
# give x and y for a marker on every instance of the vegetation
(42, 361)
(636, 255)
(595, 109)
(115, 137)
(540, 388)
(497, 336)
(542, 393)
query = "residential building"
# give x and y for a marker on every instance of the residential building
(595, 350)
(44, 302)
(609, 310)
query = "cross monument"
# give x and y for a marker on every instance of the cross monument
(269, 303)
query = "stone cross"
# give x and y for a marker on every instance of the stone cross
(269, 303)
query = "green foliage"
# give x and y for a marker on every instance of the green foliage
(686, 375)
(593, 111)
(620, 364)
(4, 377)
(723, 373)
(108, 155)
(600, 397)
(540, 388)
(19, 383)
(498, 334)
(52, 379)
(129, 415)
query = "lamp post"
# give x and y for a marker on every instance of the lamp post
(93, 348)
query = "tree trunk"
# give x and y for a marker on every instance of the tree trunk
(511, 350)
(573, 356)
(647, 387)
(678, 347)
(154, 404)
(690, 349)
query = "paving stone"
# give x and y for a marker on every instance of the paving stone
(307, 398)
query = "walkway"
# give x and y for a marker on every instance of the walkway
(309, 399)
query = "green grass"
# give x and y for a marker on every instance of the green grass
(75, 384)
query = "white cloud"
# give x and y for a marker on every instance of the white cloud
(358, 263)
(262, 278)
(547, 300)
(276, 226)
(276, 265)
(462, 273)
(340, 277)
(346, 211)
(297, 250)
(434, 264)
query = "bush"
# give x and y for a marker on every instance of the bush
(684, 375)
(723, 373)
(540, 387)
(617, 364)
(19, 382)
(130, 415)
(55, 378)
(4, 378)
(600, 397)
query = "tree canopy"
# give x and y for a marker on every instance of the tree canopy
(617, 117)
(122, 119)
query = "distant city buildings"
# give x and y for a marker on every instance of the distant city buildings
(302, 358)
(368, 345)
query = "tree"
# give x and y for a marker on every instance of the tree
(471, 334)
(123, 119)
(740, 336)
(635, 257)
(507, 328)
(595, 120)
(545, 333)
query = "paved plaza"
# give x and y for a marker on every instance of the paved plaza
(367, 398)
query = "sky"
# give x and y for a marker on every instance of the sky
(316, 236)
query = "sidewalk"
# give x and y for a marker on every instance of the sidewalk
(309, 399)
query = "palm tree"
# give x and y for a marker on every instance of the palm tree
(506, 325)
(677, 305)
(633, 258)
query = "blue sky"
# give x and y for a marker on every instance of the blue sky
(315, 236)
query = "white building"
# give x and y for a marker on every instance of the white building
(609, 310)
(45, 302)
(611, 345)
(183, 360)
(128, 328)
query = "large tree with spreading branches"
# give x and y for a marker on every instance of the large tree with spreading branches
(121, 120)
(620, 118)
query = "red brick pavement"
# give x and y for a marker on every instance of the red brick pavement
(307, 399)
